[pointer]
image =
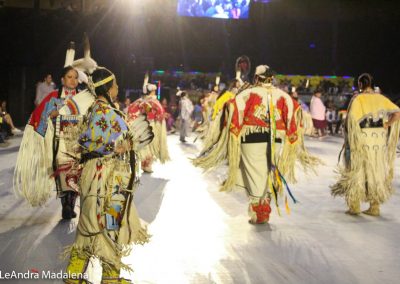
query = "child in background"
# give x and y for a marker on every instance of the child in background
(331, 117)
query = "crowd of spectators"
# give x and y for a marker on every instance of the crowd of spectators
(333, 99)
(224, 9)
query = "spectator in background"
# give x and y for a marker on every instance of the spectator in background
(332, 117)
(197, 115)
(186, 108)
(235, 11)
(318, 109)
(44, 88)
(169, 119)
(125, 105)
(7, 118)
(4, 129)
(117, 103)
(174, 111)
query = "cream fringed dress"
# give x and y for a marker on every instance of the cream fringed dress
(370, 151)
(108, 223)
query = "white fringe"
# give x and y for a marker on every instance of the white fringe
(164, 154)
(158, 148)
(215, 155)
(368, 177)
(33, 169)
(234, 153)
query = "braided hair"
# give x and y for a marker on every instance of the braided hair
(102, 90)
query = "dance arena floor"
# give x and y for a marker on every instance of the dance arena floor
(200, 235)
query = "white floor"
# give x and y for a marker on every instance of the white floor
(202, 236)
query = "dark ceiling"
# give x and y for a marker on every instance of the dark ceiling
(293, 37)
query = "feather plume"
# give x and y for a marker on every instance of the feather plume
(238, 74)
(85, 64)
(86, 46)
(70, 56)
(217, 80)
(142, 133)
(145, 82)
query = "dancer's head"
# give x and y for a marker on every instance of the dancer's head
(181, 94)
(318, 92)
(105, 84)
(365, 81)
(263, 74)
(69, 77)
(149, 89)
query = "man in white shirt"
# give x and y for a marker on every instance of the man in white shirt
(186, 108)
(44, 88)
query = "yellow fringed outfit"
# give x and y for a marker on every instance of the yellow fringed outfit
(221, 101)
(214, 130)
(370, 150)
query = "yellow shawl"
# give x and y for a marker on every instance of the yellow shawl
(221, 101)
(375, 105)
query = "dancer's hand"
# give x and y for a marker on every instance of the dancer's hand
(54, 114)
(386, 125)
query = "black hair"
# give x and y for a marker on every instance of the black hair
(268, 74)
(102, 90)
(290, 92)
(63, 73)
(233, 84)
(318, 90)
(213, 86)
(365, 80)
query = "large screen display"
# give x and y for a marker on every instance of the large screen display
(222, 9)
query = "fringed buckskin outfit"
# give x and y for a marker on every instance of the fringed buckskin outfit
(370, 150)
(108, 224)
(46, 151)
(256, 138)
(158, 148)
(307, 161)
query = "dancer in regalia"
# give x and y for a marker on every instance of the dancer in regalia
(256, 127)
(46, 153)
(108, 223)
(371, 136)
(151, 107)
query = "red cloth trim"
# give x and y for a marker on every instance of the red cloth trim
(37, 113)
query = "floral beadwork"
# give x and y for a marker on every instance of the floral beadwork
(102, 123)
(116, 127)
(109, 147)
